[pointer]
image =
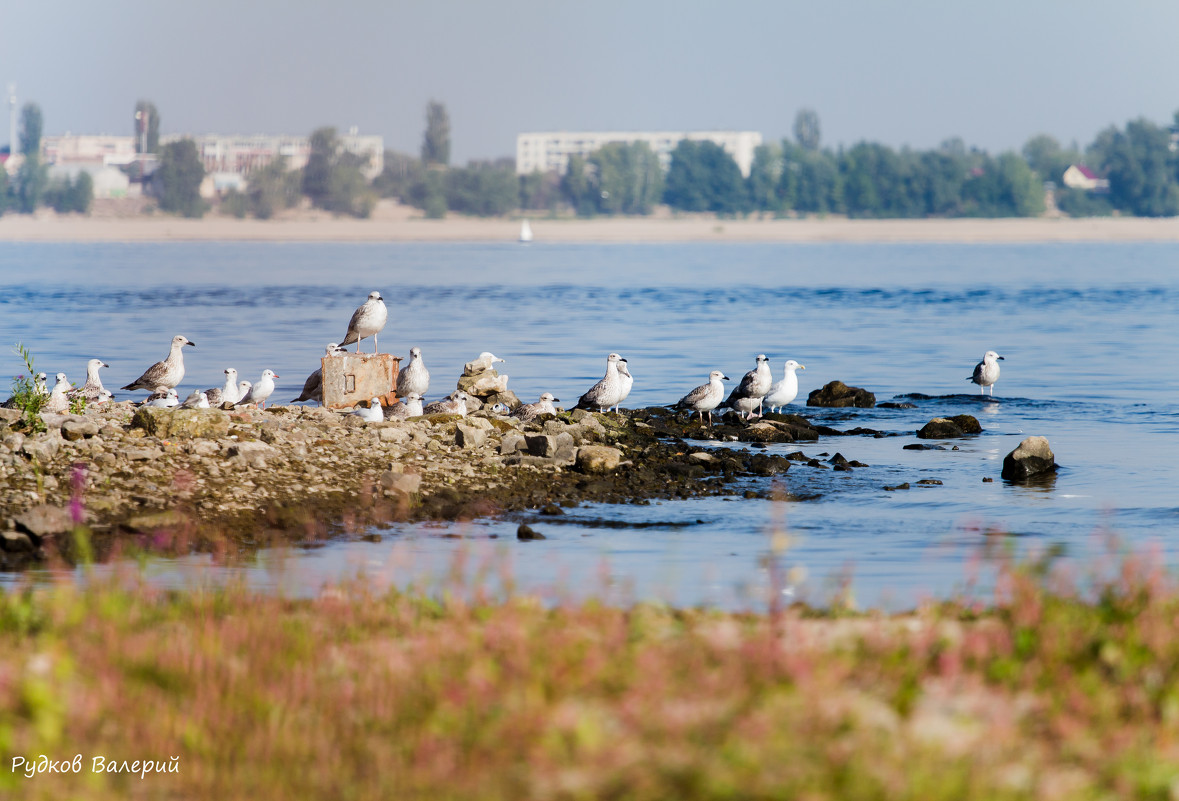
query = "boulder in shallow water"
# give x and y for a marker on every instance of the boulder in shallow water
(839, 394)
(950, 427)
(1032, 458)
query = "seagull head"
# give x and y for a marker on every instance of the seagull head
(761, 357)
(793, 365)
(548, 398)
(374, 295)
(415, 353)
(717, 374)
(269, 374)
(180, 340)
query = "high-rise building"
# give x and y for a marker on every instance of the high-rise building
(550, 151)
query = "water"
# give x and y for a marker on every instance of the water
(1090, 334)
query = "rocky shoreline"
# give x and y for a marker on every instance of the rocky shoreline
(181, 479)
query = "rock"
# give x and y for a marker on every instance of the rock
(527, 532)
(950, 427)
(44, 521)
(179, 423)
(401, 483)
(43, 447)
(598, 458)
(547, 445)
(483, 385)
(10, 415)
(838, 394)
(1033, 457)
(155, 521)
(142, 454)
(394, 434)
(15, 541)
(507, 398)
(14, 441)
(79, 428)
(469, 437)
(702, 457)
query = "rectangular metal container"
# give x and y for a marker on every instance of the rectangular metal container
(355, 377)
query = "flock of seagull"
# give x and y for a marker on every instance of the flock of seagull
(756, 391)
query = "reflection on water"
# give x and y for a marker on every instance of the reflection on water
(1088, 362)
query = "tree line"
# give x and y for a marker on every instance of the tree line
(794, 177)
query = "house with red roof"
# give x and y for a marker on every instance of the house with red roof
(1078, 176)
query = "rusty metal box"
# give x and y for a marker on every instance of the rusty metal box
(355, 377)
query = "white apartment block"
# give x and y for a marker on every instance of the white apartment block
(235, 154)
(549, 151)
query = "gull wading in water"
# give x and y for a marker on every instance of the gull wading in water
(261, 391)
(92, 390)
(410, 407)
(226, 394)
(786, 390)
(609, 391)
(705, 397)
(986, 372)
(530, 411)
(313, 386)
(754, 385)
(367, 321)
(414, 377)
(167, 373)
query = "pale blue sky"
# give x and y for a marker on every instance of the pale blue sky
(902, 73)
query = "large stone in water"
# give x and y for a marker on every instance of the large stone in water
(1032, 458)
(839, 394)
(598, 458)
(182, 423)
(950, 427)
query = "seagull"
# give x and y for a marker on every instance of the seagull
(455, 403)
(608, 391)
(92, 389)
(705, 397)
(411, 407)
(414, 377)
(986, 372)
(167, 373)
(226, 394)
(373, 414)
(196, 400)
(261, 391)
(786, 390)
(243, 391)
(627, 382)
(367, 321)
(59, 402)
(166, 400)
(313, 386)
(748, 395)
(104, 396)
(39, 388)
(530, 411)
(484, 362)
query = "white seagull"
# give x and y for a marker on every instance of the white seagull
(484, 362)
(705, 397)
(167, 373)
(196, 400)
(92, 390)
(367, 321)
(226, 394)
(786, 390)
(373, 414)
(608, 391)
(414, 377)
(530, 411)
(166, 400)
(59, 402)
(455, 403)
(261, 391)
(986, 372)
(409, 406)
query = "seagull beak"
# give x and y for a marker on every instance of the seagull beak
(802, 367)
(556, 400)
(190, 342)
(277, 376)
(104, 364)
(726, 378)
(1002, 359)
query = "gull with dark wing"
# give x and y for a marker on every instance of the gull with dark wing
(313, 386)
(367, 321)
(986, 372)
(705, 397)
(455, 403)
(530, 411)
(786, 390)
(167, 373)
(754, 385)
(608, 391)
(196, 400)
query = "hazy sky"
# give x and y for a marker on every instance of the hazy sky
(901, 73)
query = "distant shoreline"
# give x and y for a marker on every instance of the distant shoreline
(397, 224)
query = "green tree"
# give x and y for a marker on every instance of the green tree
(177, 181)
(436, 140)
(31, 124)
(1047, 158)
(765, 175)
(806, 129)
(810, 180)
(1003, 187)
(540, 191)
(704, 177)
(577, 187)
(317, 173)
(149, 130)
(270, 189)
(401, 172)
(488, 189)
(1141, 170)
(6, 197)
(348, 191)
(629, 178)
(32, 178)
(66, 195)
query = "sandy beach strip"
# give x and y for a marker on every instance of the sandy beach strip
(408, 226)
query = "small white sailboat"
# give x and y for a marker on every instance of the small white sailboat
(525, 232)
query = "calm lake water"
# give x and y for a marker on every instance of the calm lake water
(1090, 336)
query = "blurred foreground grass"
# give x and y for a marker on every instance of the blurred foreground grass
(1048, 692)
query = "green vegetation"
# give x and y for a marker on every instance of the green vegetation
(67, 195)
(177, 181)
(1053, 692)
(25, 394)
